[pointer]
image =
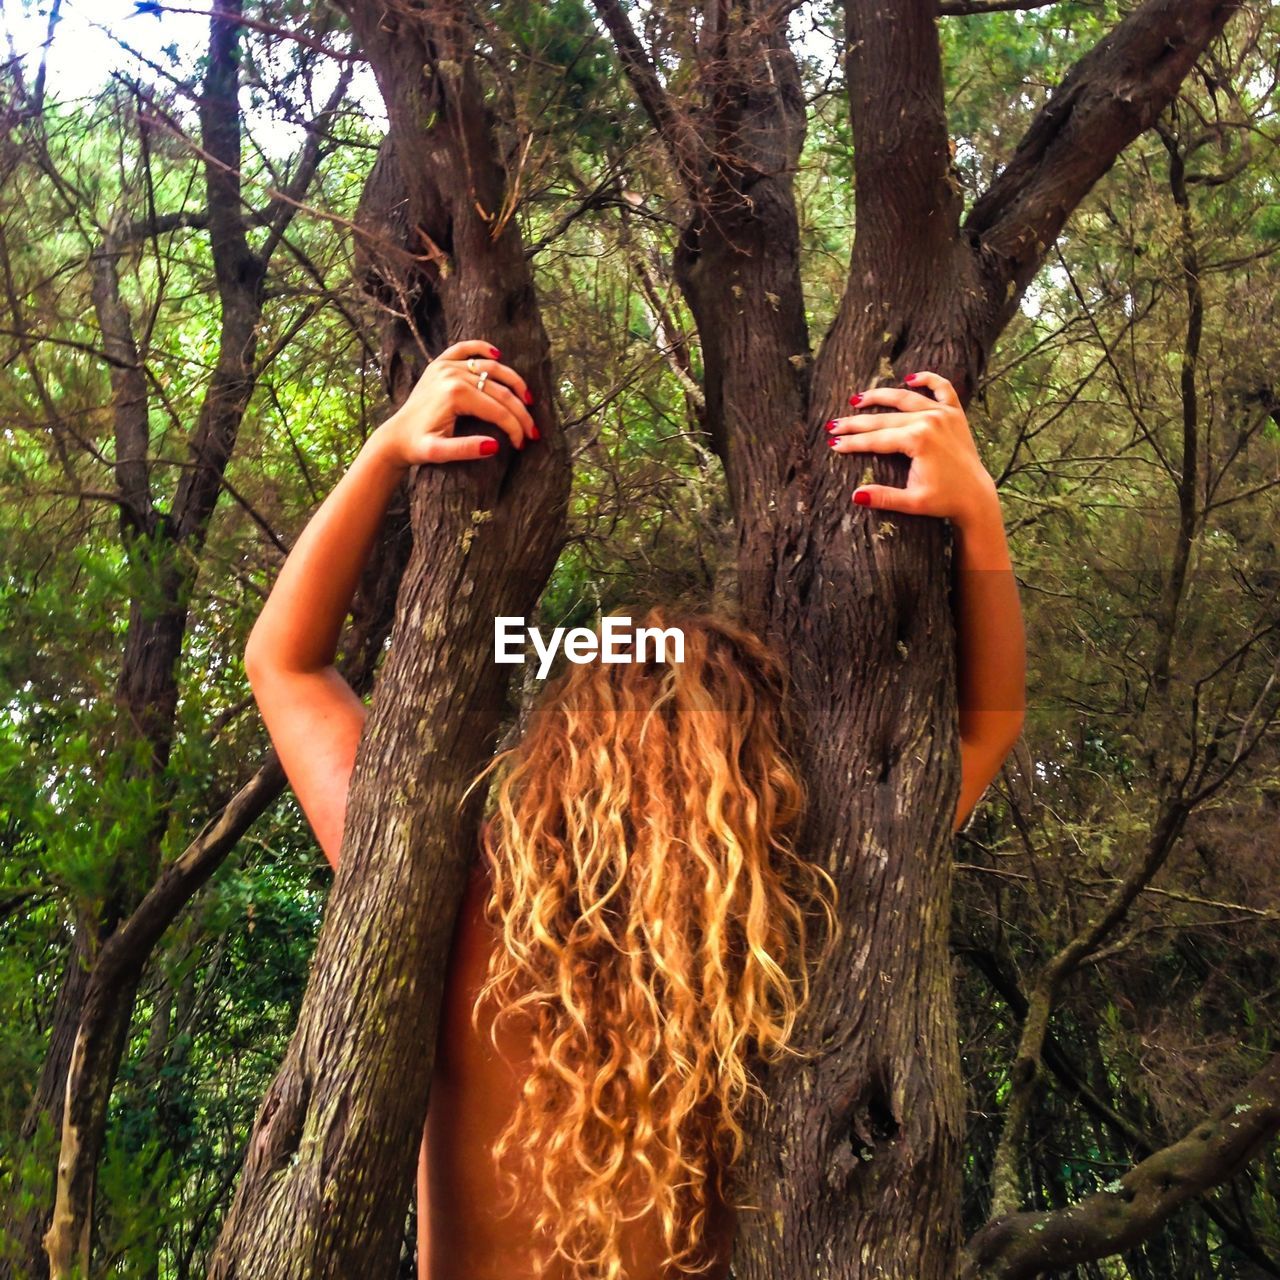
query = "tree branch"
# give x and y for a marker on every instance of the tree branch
(1023, 1245)
(128, 388)
(1112, 94)
(898, 115)
(1073, 1082)
(966, 8)
(908, 211)
(1005, 1181)
(678, 135)
(124, 953)
(107, 1000)
(286, 202)
(160, 224)
(239, 273)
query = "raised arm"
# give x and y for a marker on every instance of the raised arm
(947, 478)
(313, 716)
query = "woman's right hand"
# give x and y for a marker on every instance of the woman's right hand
(451, 387)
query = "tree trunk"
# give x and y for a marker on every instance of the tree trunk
(25, 1224)
(330, 1164)
(856, 1163)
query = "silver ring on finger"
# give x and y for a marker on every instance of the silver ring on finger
(482, 379)
(471, 364)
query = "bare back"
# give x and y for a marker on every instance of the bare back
(473, 1092)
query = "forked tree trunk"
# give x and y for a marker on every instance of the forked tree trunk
(856, 1163)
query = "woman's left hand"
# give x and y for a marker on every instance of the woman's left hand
(947, 477)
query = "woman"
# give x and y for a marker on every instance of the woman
(638, 929)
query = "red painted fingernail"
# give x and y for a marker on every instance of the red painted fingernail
(534, 433)
(862, 499)
(494, 352)
(528, 397)
(856, 398)
(831, 426)
(911, 377)
(833, 441)
(488, 448)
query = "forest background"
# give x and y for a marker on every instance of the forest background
(1130, 413)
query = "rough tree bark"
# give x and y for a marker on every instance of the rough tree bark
(856, 1162)
(330, 1165)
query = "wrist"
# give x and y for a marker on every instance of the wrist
(382, 445)
(980, 511)
(979, 528)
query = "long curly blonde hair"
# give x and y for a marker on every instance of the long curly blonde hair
(657, 927)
